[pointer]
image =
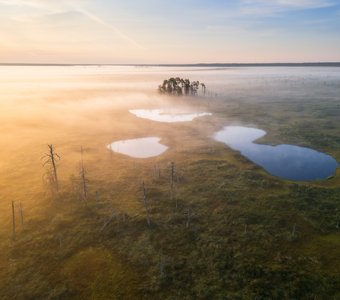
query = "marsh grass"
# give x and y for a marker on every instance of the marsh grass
(250, 236)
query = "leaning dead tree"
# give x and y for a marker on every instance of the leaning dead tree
(107, 222)
(50, 159)
(145, 202)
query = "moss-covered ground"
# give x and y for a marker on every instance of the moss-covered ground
(236, 233)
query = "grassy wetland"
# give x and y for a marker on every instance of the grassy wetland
(199, 221)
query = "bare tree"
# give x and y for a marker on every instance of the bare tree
(13, 221)
(51, 159)
(108, 221)
(293, 231)
(157, 171)
(145, 202)
(83, 179)
(190, 214)
(21, 214)
(97, 198)
(172, 183)
(60, 239)
(161, 266)
(203, 87)
(111, 151)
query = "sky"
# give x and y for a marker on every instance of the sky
(177, 31)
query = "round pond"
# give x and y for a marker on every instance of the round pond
(139, 148)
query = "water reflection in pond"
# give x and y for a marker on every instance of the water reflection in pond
(170, 116)
(285, 161)
(139, 148)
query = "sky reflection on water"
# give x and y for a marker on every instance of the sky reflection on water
(160, 115)
(139, 148)
(285, 161)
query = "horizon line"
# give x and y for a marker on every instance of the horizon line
(215, 64)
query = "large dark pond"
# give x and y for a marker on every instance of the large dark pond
(285, 161)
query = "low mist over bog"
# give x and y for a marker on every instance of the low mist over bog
(89, 106)
(71, 107)
(169, 150)
(198, 187)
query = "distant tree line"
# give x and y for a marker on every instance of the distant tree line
(179, 86)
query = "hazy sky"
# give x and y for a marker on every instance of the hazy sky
(177, 31)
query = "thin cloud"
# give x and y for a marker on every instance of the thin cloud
(20, 3)
(272, 7)
(242, 30)
(307, 4)
(53, 7)
(36, 7)
(99, 20)
(36, 4)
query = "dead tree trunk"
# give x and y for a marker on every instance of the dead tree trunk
(52, 154)
(111, 152)
(245, 228)
(189, 216)
(108, 221)
(13, 221)
(51, 159)
(293, 231)
(21, 214)
(60, 241)
(172, 176)
(157, 171)
(83, 176)
(145, 202)
(172, 184)
(97, 198)
(161, 266)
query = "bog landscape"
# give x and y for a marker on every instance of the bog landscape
(158, 195)
(175, 150)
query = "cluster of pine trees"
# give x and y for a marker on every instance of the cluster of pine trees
(179, 86)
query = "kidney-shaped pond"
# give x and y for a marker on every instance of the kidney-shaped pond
(285, 161)
(169, 116)
(139, 148)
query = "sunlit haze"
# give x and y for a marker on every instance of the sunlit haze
(134, 31)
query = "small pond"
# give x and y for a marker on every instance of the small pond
(139, 148)
(285, 161)
(169, 116)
